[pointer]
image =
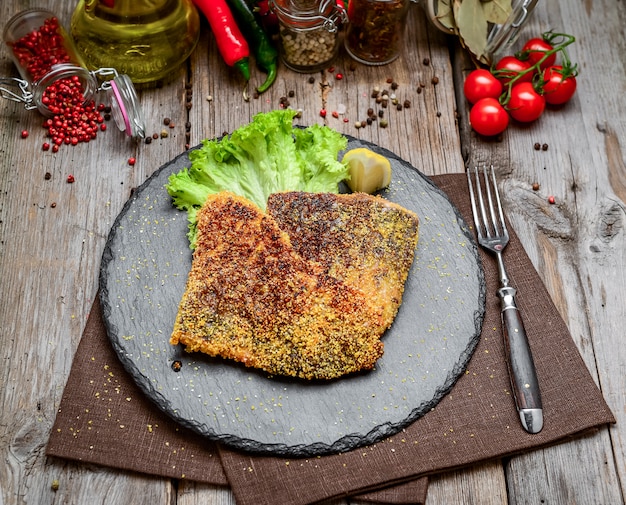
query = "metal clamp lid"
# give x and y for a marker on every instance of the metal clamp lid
(310, 15)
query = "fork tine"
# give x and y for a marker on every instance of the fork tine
(504, 232)
(481, 204)
(492, 212)
(477, 224)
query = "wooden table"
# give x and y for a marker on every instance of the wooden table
(52, 234)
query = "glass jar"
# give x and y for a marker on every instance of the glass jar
(53, 76)
(145, 39)
(500, 37)
(375, 33)
(309, 32)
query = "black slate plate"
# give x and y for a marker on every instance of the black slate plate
(143, 274)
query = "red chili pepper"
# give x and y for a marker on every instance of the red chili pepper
(230, 41)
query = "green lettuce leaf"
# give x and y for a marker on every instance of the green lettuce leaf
(266, 156)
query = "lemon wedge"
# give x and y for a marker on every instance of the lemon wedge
(369, 171)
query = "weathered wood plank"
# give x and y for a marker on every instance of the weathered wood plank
(565, 240)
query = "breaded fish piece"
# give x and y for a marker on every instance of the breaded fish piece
(252, 298)
(363, 240)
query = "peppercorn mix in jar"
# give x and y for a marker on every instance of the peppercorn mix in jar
(309, 32)
(375, 32)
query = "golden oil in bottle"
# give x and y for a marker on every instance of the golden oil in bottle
(146, 39)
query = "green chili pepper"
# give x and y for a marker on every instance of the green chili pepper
(265, 53)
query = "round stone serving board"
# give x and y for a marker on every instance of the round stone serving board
(142, 279)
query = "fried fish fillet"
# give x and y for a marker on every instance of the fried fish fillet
(252, 298)
(365, 241)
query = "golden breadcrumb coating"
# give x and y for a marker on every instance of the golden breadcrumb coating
(252, 298)
(363, 240)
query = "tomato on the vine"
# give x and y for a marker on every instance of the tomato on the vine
(509, 67)
(558, 85)
(534, 50)
(488, 117)
(525, 104)
(481, 83)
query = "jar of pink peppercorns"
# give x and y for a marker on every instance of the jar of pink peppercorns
(54, 79)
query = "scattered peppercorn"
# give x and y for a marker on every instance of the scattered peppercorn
(70, 179)
(311, 80)
(164, 134)
(171, 125)
(435, 80)
(352, 66)
(407, 104)
(48, 176)
(148, 140)
(537, 146)
(24, 134)
(381, 113)
(131, 161)
(166, 121)
(544, 147)
(339, 76)
(291, 93)
(399, 106)
(335, 114)
(155, 136)
(323, 112)
(383, 123)
(551, 200)
(426, 61)
(535, 186)
(419, 90)
(55, 485)
(177, 365)
(394, 85)
(45, 146)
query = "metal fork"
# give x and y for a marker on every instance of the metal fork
(494, 237)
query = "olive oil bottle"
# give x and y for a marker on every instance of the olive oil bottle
(146, 39)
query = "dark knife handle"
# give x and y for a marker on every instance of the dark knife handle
(520, 362)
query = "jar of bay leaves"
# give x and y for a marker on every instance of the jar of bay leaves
(486, 28)
(309, 32)
(375, 33)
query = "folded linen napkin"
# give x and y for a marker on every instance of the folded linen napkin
(102, 412)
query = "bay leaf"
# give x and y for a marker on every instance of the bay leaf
(497, 11)
(472, 24)
(445, 14)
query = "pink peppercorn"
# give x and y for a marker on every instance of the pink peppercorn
(131, 161)
(323, 112)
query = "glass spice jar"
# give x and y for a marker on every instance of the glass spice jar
(54, 79)
(500, 37)
(309, 32)
(375, 32)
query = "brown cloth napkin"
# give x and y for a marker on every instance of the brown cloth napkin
(103, 417)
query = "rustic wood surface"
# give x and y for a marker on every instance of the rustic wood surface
(52, 235)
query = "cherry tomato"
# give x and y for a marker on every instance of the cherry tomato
(509, 67)
(488, 117)
(481, 83)
(525, 104)
(534, 50)
(557, 89)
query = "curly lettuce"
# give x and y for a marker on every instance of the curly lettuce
(265, 156)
